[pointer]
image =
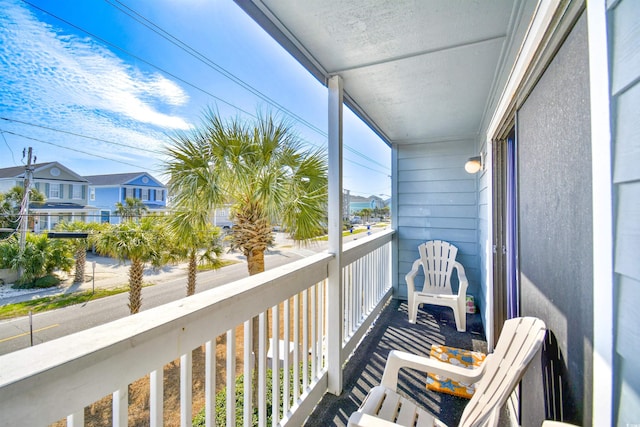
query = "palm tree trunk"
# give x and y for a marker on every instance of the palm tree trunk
(191, 278)
(136, 272)
(255, 261)
(255, 264)
(81, 260)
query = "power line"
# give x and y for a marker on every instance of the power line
(209, 62)
(80, 151)
(80, 135)
(179, 79)
(139, 59)
(9, 147)
(230, 75)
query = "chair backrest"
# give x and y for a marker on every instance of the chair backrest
(519, 341)
(438, 258)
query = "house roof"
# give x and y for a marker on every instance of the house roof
(413, 71)
(118, 178)
(17, 172)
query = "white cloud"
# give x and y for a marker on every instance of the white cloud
(48, 74)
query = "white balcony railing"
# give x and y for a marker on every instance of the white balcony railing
(58, 379)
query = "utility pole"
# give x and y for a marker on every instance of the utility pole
(24, 205)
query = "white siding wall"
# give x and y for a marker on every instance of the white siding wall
(624, 19)
(437, 199)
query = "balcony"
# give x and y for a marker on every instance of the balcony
(58, 379)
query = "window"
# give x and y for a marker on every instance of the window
(77, 191)
(92, 194)
(54, 191)
(159, 195)
(145, 194)
(129, 193)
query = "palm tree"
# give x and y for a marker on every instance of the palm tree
(261, 169)
(195, 242)
(80, 245)
(138, 242)
(132, 208)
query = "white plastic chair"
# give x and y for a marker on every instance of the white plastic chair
(438, 260)
(496, 378)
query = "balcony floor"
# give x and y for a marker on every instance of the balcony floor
(392, 330)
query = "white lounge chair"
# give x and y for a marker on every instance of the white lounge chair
(496, 378)
(438, 259)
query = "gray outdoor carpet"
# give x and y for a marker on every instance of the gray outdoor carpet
(392, 330)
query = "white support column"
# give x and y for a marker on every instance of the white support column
(603, 217)
(334, 297)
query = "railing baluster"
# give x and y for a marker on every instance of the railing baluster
(231, 377)
(322, 286)
(296, 347)
(76, 419)
(210, 383)
(186, 389)
(286, 366)
(314, 333)
(262, 372)
(275, 366)
(156, 398)
(305, 339)
(120, 407)
(247, 410)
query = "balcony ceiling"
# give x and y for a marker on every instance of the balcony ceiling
(415, 71)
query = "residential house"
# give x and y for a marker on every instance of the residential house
(357, 203)
(65, 191)
(547, 93)
(107, 190)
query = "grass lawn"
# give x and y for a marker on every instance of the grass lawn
(53, 302)
(39, 305)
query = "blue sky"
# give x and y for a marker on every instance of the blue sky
(90, 69)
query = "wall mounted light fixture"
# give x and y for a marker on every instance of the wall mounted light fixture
(474, 164)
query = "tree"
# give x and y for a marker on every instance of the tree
(138, 242)
(366, 214)
(262, 169)
(132, 209)
(10, 205)
(41, 256)
(194, 242)
(79, 245)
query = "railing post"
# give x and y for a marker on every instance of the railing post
(334, 292)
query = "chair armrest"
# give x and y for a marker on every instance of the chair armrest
(400, 359)
(462, 278)
(360, 419)
(411, 287)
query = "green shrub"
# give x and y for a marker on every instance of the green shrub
(40, 258)
(221, 402)
(9, 249)
(47, 281)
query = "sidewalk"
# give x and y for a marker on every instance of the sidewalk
(109, 273)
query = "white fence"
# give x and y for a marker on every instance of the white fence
(58, 379)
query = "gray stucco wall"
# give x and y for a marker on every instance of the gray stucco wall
(624, 20)
(555, 220)
(437, 199)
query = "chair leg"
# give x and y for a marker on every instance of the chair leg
(460, 317)
(413, 311)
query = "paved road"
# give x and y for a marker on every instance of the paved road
(14, 334)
